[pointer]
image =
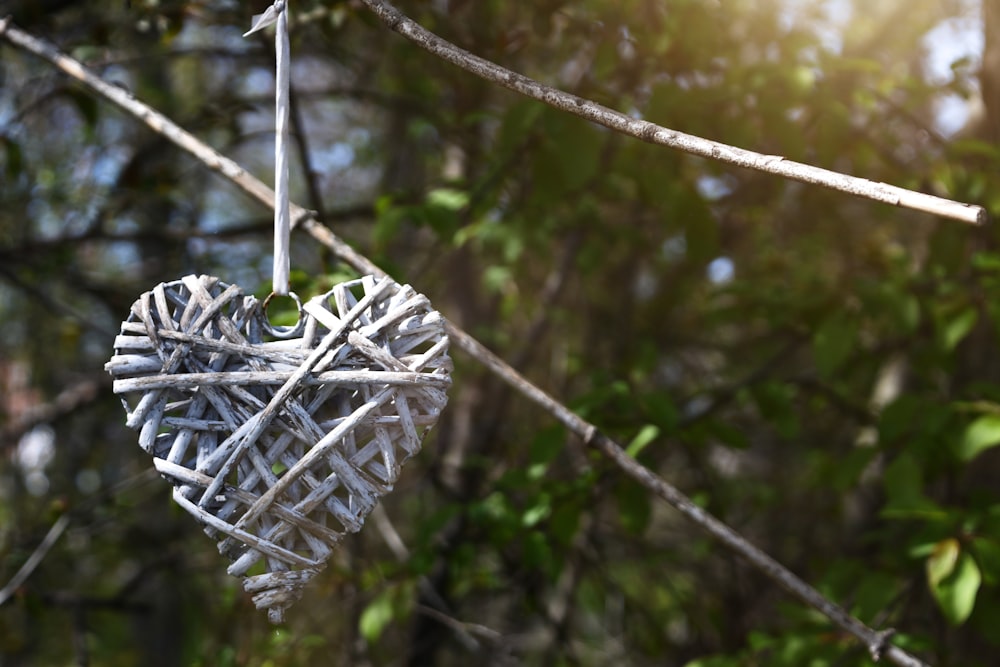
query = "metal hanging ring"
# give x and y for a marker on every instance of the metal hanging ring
(283, 332)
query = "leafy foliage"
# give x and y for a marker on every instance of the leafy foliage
(821, 373)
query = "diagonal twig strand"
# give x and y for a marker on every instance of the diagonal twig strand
(657, 134)
(37, 556)
(877, 643)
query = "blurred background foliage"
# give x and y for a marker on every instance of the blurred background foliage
(820, 372)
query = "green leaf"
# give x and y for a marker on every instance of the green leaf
(957, 327)
(440, 212)
(392, 603)
(903, 480)
(646, 435)
(448, 198)
(954, 580)
(496, 279)
(833, 342)
(907, 311)
(941, 562)
(377, 616)
(537, 512)
(979, 436)
(495, 507)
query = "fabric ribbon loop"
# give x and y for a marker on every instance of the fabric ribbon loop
(268, 17)
(278, 14)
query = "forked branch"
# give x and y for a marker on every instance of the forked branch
(877, 643)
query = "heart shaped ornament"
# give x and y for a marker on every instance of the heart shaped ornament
(281, 441)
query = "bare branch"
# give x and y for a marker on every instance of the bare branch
(657, 134)
(154, 120)
(305, 158)
(55, 532)
(877, 643)
(53, 304)
(463, 630)
(67, 401)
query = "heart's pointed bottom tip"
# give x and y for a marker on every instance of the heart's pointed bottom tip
(277, 591)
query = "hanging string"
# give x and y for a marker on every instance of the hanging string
(278, 13)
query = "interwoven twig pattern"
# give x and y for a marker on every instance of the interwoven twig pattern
(280, 447)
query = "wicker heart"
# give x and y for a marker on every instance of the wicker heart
(280, 442)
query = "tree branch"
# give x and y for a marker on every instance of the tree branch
(461, 628)
(656, 134)
(55, 532)
(877, 643)
(69, 400)
(53, 304)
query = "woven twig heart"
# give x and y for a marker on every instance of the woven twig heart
(280, 447)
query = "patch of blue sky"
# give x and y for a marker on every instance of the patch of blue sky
(335, 157)
(950, 42)
(720, 270)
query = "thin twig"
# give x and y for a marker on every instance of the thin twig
(398, 548)
(462, 628)
(723, 396)
(657, 134)
(54, 304)
(42, 550)
(713, 526)
(69, 400)
(876, 642)
(305, 158)
(153, 119)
